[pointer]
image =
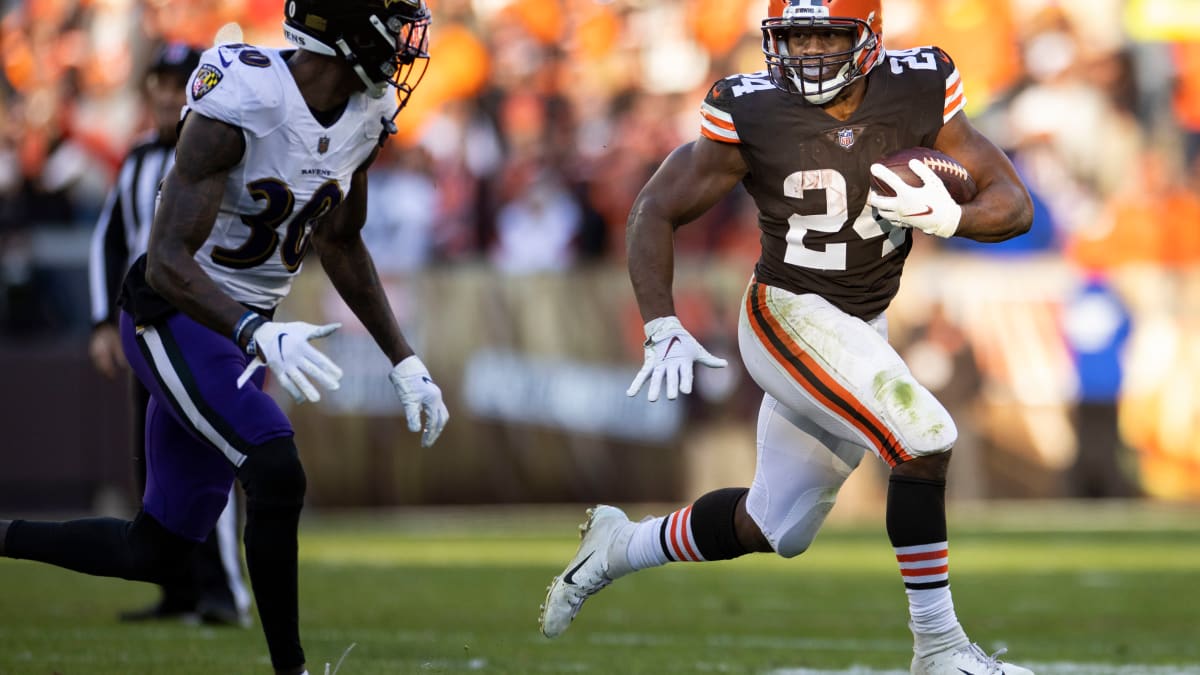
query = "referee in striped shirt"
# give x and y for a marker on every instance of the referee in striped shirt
(217, 593)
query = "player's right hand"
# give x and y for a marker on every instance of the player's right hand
(105, 350)
(283, 347)
(929, 208)
(671, 353)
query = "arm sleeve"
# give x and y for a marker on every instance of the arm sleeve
(716, 114)
(956, 100)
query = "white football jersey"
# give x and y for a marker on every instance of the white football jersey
(293, 171)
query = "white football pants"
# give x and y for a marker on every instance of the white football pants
(834, 387)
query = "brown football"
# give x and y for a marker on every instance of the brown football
(954, 175)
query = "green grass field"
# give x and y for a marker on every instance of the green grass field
(1079, 589)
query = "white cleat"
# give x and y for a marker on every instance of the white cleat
(601, 558)
(966, 660)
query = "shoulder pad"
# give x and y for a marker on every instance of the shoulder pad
(929, 71)
(240, 85)
(718, 112)
(724, 91)
(919, 60)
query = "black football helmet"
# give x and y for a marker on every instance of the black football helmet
(385, 41)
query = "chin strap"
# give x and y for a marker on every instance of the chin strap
(374, 89)
(389, 126)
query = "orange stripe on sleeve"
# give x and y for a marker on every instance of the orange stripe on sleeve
(952, 104)
(718, 122)
(712, 136)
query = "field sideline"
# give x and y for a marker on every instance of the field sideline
(1071, 589)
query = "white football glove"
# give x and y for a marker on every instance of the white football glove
(284, 348)
(929, 208)
(419, 394)
(671, 352)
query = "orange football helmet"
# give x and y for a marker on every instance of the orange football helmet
(808, 74)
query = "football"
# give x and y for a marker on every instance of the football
(954, 175)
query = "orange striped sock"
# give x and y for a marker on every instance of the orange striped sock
(700, 532)
(676, 537)
(926, 572)
(663, 539)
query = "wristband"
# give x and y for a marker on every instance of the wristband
(249, 322)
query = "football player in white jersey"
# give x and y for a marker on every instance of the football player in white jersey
(804, 137)
(272, 158)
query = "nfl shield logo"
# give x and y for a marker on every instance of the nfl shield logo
(845, 138)
(323, 145)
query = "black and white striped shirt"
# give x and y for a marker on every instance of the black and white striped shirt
(124, 227)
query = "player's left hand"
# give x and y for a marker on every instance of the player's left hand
(418, 394)
(929, 208)
(284, 348)
(671, 353)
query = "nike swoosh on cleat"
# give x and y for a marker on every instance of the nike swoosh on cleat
(569, 577)
(670, 344)
(965, 672)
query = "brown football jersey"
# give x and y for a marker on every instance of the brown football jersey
(809, 173)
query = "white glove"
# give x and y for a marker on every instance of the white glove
(284, 348)
(671, 351)
(418, 393)
(929, 208)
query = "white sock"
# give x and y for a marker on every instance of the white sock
(645, 550)
(934, 624)
(925, 644)
(932, 610)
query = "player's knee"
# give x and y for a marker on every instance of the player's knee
(156, 553)
(926, 467)
(802, 523)
(924, 425)
(273, 476)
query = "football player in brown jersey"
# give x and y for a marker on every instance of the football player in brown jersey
(804, 137)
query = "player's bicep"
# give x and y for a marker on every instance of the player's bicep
(985, 162)
(1003, 207)
(193, 189)
(693, 178)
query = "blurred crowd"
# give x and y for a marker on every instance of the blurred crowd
(539, 120)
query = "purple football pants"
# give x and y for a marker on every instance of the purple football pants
(199, 425)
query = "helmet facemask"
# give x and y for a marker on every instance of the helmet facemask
(818, 77)
(392, 50)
